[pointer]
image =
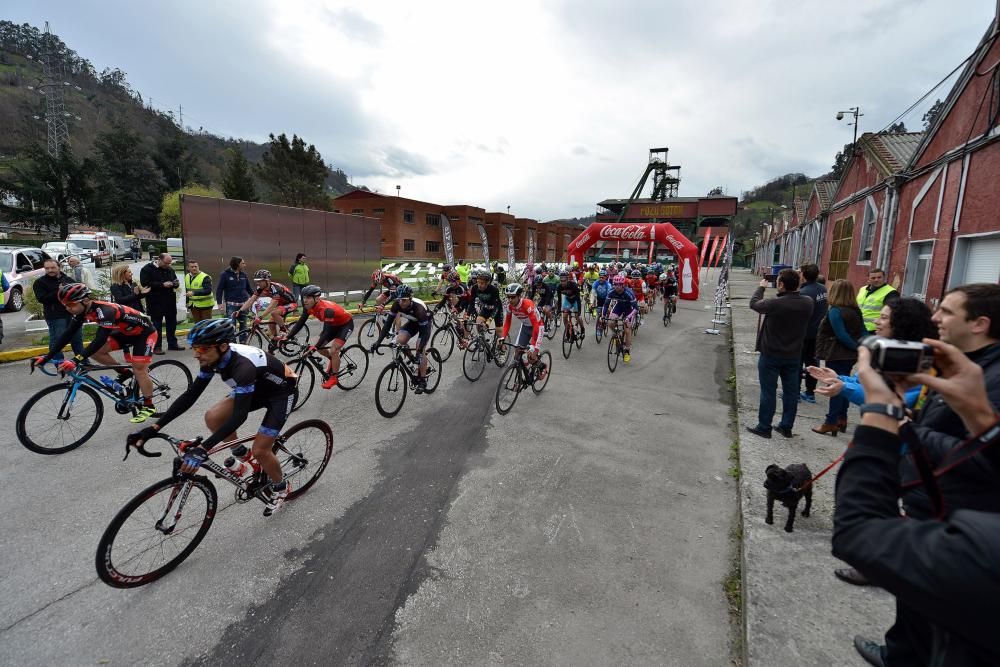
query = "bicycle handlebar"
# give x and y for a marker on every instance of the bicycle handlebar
(131, 439)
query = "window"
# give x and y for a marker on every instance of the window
(918, 268)
(433, 219)
(432, 246)
(868, 232)
(378, 212)
(409, 245)
(408, 217)
(357, 211)
(475, 221)
(840, 250)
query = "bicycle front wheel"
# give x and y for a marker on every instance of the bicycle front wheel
(550, 326)
(433, 371)
(567, 343)
(303, 451)
(59, 418)
(474, 361)
(257, 340)
(614, 351)
(368, 332)
(441, 317)
(305, 382)
(508, 388)
(544, 359)
(156, 531)
(390, 390)
(353, 367)
(171, 378)
(443, 341)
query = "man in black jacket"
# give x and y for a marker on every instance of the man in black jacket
(816, 292)
(161, 301)
(947, 572)
(57, 318)
(779, 341)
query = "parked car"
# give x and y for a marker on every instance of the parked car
(21, 266)
(62, 250)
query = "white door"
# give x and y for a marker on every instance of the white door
(982, 264)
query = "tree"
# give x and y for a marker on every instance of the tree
(897, 128)
(717, 190)
(128, 184)
(173, 157)
(170, 209)
(293, 173)
(932, 114)
(48, 191)
(840, 162)
(237, 181)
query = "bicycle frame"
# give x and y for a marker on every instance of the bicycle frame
(74, 379)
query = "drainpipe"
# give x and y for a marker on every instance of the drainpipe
(890, 226)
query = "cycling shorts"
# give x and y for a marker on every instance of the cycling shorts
(490, 313)
(277, 410)
(423, 331)
(570, 305)
(341, 333)
(284, 310)
(138, 349)
(524, 335)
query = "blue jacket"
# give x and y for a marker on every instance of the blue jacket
(854, 393)
(233, 287)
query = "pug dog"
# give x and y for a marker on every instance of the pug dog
(785, 484)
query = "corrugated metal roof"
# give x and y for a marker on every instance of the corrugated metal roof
(893, 151)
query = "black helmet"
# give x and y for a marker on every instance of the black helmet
(447, 268)
(312, 290)
(262, 274)
(404, 292)
(212, 332)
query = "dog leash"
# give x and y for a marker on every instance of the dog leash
(823, 471)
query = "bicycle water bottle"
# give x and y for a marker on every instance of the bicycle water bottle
(112, 384)
(237, 466)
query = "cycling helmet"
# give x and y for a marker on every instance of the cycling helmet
(376, 276)
(603, 274)
(563, 274)
(481, 275)
(311, 290)
(619, 279)
(262, 274)
(447, 268)
(73, 293)
(663, 277)
(404, 292)
(212, 332)
(635, 273)
(513, 290)
(538, 270)
(539, 281)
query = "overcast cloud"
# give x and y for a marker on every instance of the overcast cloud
(547, 107)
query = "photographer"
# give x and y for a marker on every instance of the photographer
(946, 573)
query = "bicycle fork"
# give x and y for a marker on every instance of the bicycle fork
(179, 495)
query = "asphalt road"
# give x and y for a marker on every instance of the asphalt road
(588, 526)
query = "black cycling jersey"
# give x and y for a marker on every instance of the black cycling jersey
(570, 290)
(544, 293)
(488, 299)
(256, 378)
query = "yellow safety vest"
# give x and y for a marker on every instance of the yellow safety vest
(871, 303)
(206, 301)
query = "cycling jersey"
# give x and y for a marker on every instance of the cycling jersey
(569, 290)
(637, 285)
(651, 280)
(621, 303)
(668, 287)
(389, 281)
(334, 319)
(527, 314)
(544, 293)
(257, 379)
(416, 320)
(486, 301)
(277, 292)
(601, 289)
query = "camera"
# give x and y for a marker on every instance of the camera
(898, 357)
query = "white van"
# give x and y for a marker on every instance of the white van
(98, 243)
(120, 247)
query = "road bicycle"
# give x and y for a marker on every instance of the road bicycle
(445, 337)
(259, 335)
(371, 327)
(442, 310)
(352, 371)
(669, 308)
(573, 335)
(401, 374)
(520, 375)
(63, 416)
(481, 351)
(550, 322)
(156, 530)
(600, 326)
(615, 344)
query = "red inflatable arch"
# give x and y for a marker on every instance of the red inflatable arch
(660, 232)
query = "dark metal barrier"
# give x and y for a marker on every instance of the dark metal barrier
(342, 250)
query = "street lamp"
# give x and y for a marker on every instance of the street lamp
(508, 209)
(397, 189)
(852, 111)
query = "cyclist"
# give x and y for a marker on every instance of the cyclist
(569, 294)
(338, 325)
(258, 380)
(524, 310)
(638, 287)
(484, 300)
(668, 288)
(418, 323)
(590, 277)
(578, 273)
(551, 279)
(445, 272)
(599, 294)
(545, 294)
(118, 328)
(652, 280)
(282, 303)
(622, 304)
(384, 279)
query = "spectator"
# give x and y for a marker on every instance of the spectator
(837, 345)
(124, 290)
(198, 291)
(946, 571)
(234, 289)
(161, 301)
(463, 271)
(57, 318)
(779, 341)
(500, 273)
(299, 271)
(816, 292)
(821, 279)
(969, 319)
(135, 249)
(873, 296)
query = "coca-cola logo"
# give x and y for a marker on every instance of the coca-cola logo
(625, 233)
(583, 239)
(674, 242)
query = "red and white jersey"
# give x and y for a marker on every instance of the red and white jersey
(527, 314)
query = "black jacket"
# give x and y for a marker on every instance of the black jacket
(159, 297)
(784, 328)
(126, 296)
(947, 571)
(47, 292)
(975, 484)
(234, 287)
(817, 293)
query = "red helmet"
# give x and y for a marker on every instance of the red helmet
(376, 276)
(73, 293)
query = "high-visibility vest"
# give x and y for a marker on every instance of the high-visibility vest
(871, 303)
(206, 301)
(463, 273)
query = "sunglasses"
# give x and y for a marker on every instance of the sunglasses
(201, 349)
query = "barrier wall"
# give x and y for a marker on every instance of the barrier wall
(341, 250)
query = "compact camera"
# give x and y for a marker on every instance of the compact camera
(898, 357)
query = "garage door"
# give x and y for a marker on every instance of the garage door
(983, 263)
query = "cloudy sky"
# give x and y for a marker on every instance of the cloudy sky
(545, 106)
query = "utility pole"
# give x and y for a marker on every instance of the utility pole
(52, 88)
(180, 113)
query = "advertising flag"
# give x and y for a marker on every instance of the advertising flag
(486, 244)
(446, 237)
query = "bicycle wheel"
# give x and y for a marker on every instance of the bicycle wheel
(49, 423)
(304, 383)
(599, 331)
(666, 317)
(368, 332)
(508, 389)
(614, 350)
(539, 384)
(353, 367)
(441, 316)
(152, 535)
(501, 353)
(567, 343)
(586, 315)
(550, 326)
(303, 452)
(257, 339)
(443, 341)
(170, 378)
(433, 371)
(390, 390)
(474, 360)
(579, 333)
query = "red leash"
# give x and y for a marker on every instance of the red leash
(824, 471)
